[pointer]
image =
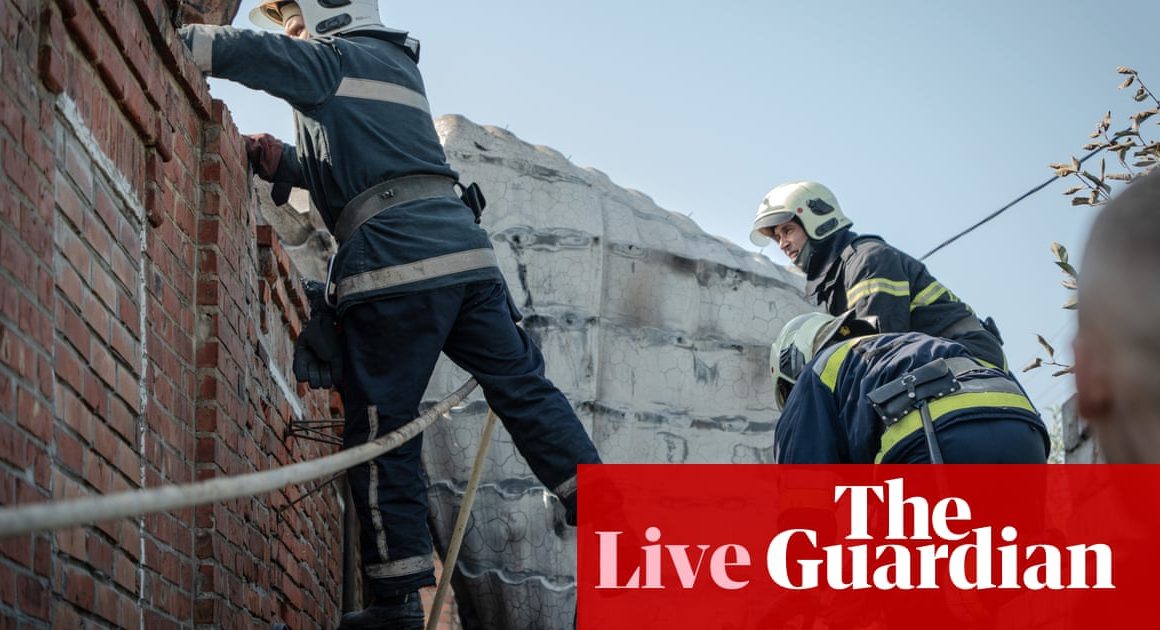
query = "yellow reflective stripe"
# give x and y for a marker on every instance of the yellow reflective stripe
(829, 375)
(928, 296)
(871, 286)
(939, 407)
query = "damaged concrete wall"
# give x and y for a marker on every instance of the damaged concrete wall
(657, 332)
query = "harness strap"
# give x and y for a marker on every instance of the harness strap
(393, 192)
(387, 277)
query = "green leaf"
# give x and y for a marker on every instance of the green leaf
(1034, 364)
(1060, 252)
(1067, 268)
(1141, 94)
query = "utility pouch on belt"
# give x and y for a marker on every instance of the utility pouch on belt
(894, 400)
(897, 398)
(473, 197)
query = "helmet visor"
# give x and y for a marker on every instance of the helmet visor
(770, 220)
(272, 15)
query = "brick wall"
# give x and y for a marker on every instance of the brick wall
(146, 325)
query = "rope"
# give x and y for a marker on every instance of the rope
(58, 515)
(1000, 211)
(461, 522)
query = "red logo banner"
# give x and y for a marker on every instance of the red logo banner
(812, 547)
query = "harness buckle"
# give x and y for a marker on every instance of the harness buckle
(330, 290)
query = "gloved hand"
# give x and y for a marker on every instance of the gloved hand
(265, 154)
(318, 352)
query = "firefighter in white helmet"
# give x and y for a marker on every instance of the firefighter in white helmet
(845, 270)
(851, 396)
(415, 275)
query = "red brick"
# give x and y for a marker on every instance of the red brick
(74, 329)
(33, 415)
(99, 554)
(128, 313)
(17, 549)
(124, 345)
(64, 616)
(32, 596)
(69, 451)
(124, 572)
(164, 138)
(70, 284)
(123, 268)
(74, 250)
(79, 167)
(110, 212)
(83, 24)
(128, 389)
(102, 363)
(107, 602)
(208, 292)
(122, 420)
(78, 588)
(68, 370)
(140, 112)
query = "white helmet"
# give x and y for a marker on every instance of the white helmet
(812, 203)
(802, 338)
(323, 17)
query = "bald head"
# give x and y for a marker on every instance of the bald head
(1117, 346)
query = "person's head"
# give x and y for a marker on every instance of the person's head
(1117, 344)
(801, 339)
(795, 215)
(306, 18)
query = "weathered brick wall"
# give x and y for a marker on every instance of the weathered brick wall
(146, 324)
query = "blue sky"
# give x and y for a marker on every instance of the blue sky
(922, 116)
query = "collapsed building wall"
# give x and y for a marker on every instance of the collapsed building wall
(146, 326)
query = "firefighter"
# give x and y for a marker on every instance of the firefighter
(845, 270)
(850, 395)
(1117, 347)
(414, 274)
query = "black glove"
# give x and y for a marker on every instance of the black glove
(318, 352)
(265, 155)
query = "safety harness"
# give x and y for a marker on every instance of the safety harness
(923, 395)
(395, 192)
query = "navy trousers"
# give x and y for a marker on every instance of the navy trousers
(995, 440)
(390, 348)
